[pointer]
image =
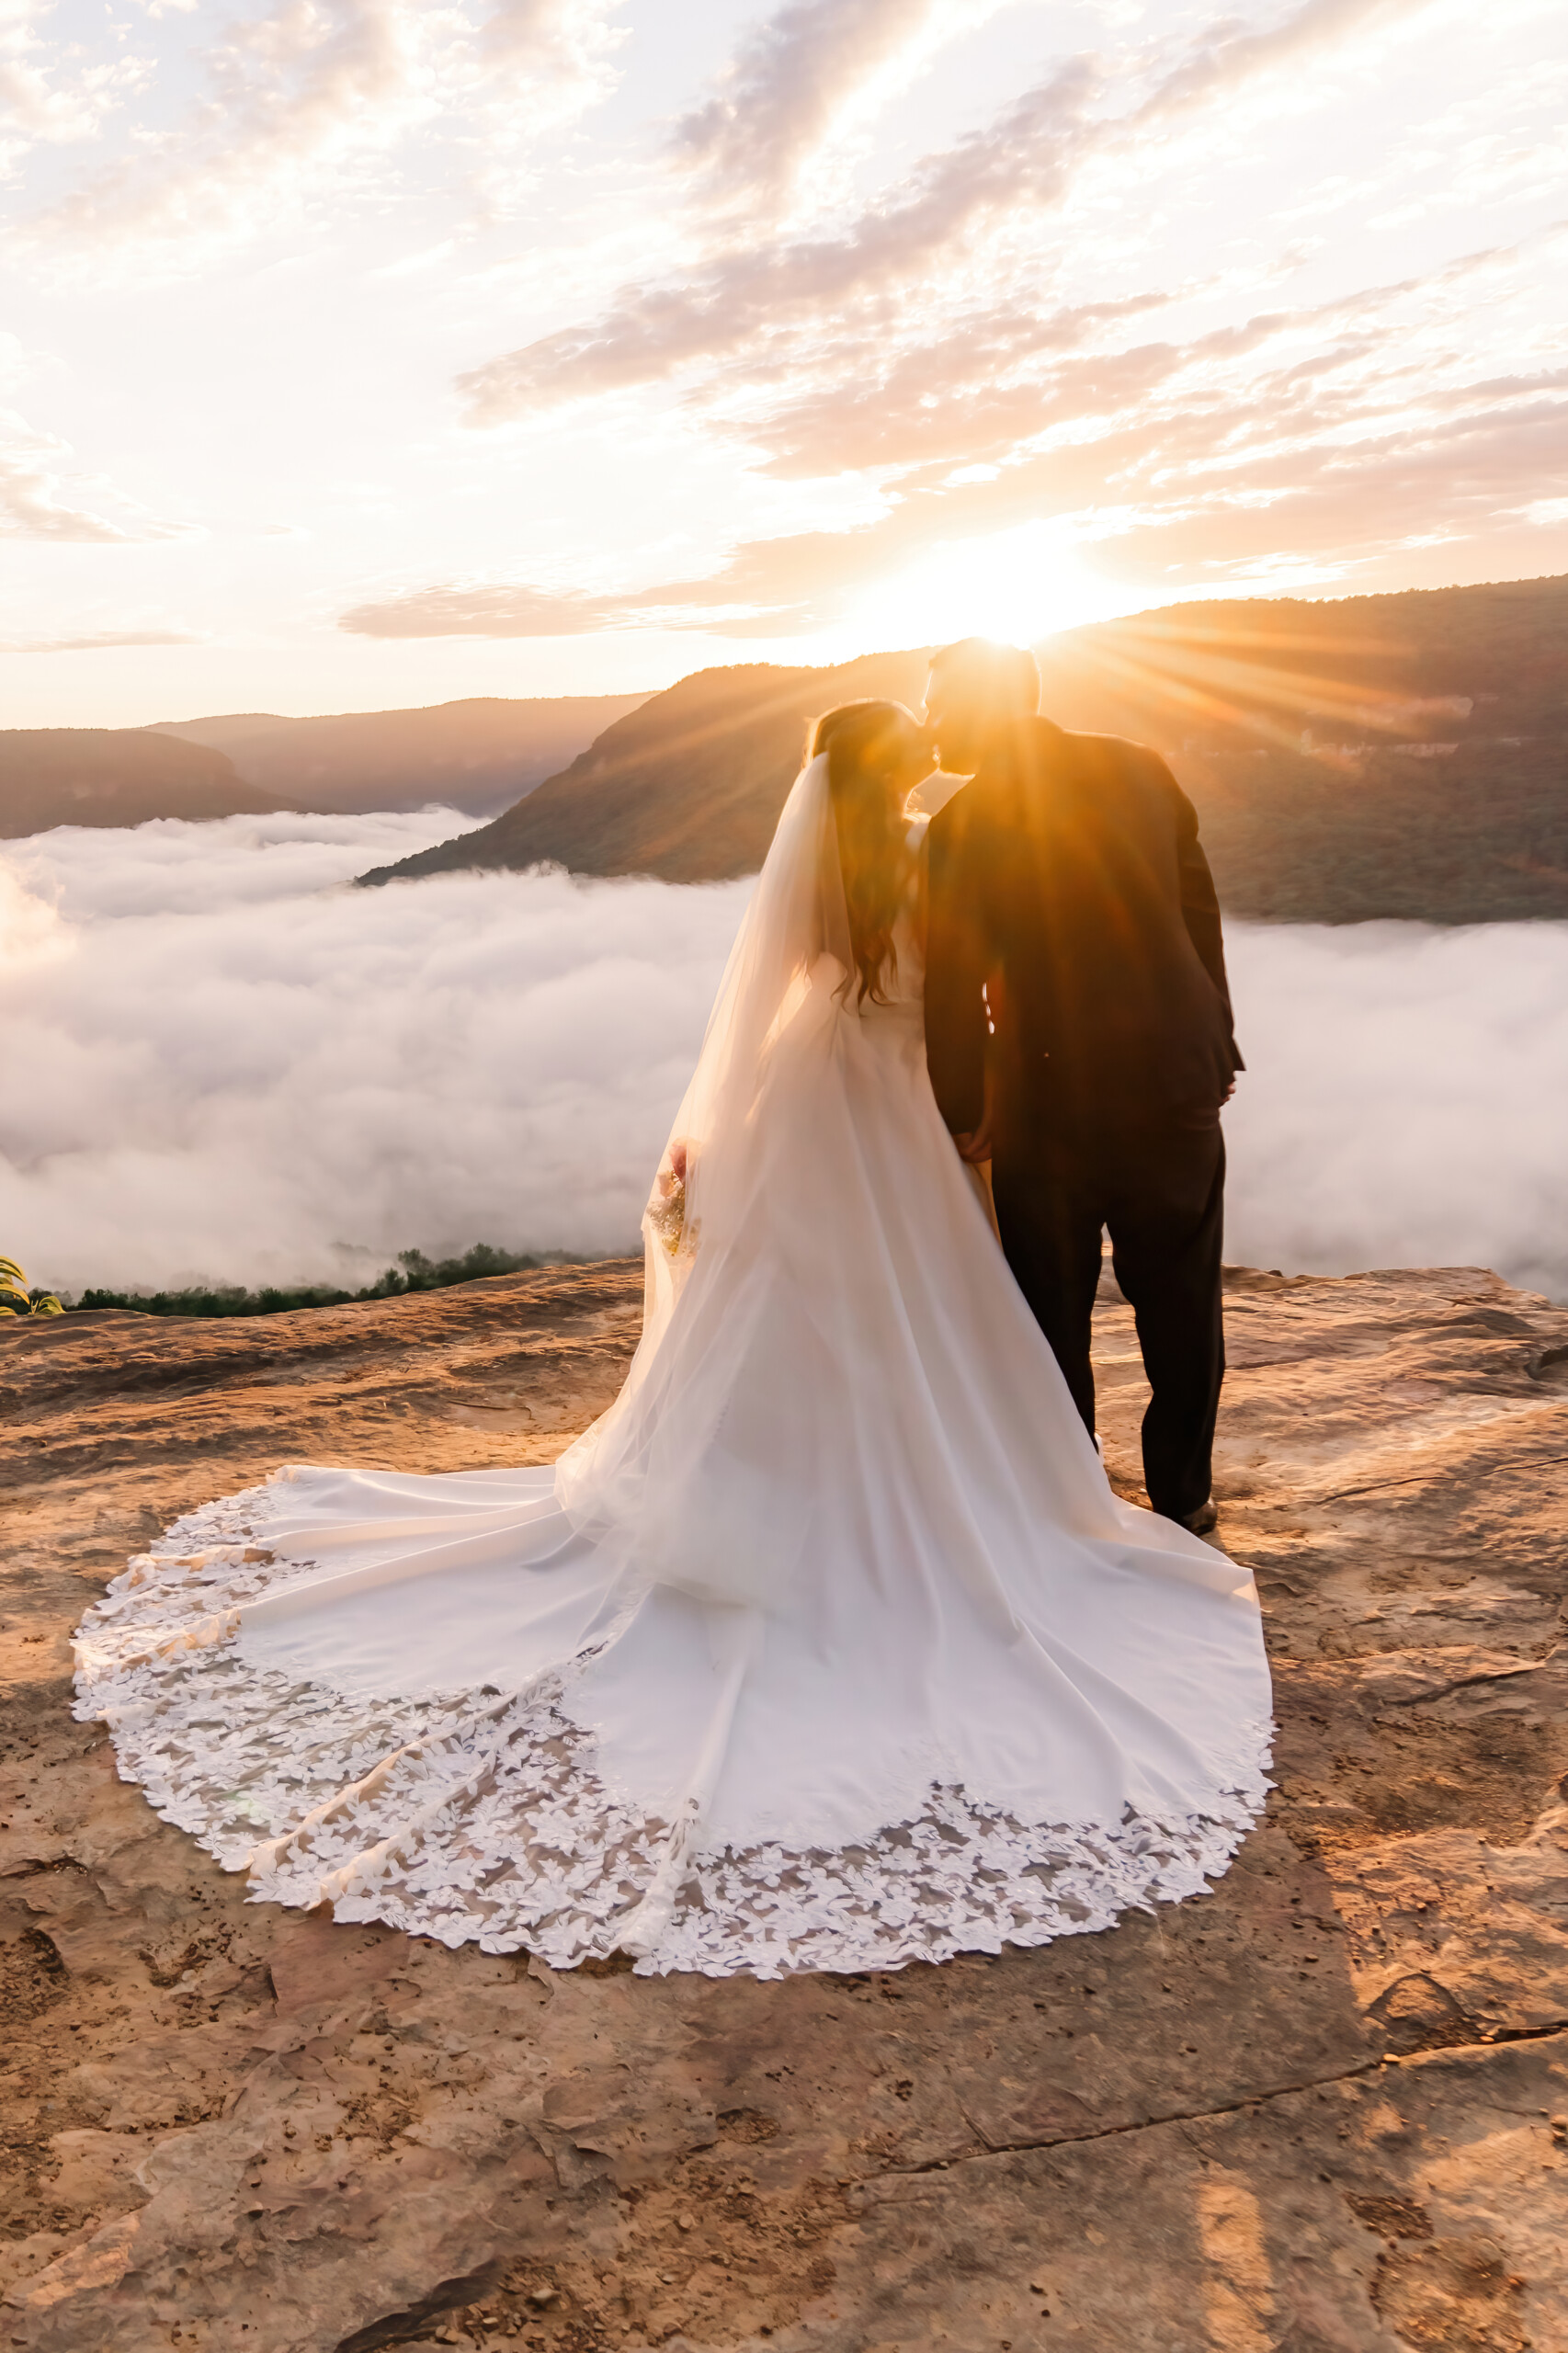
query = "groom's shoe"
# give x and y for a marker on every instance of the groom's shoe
(1206, 1516)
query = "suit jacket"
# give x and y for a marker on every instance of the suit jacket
(1069, 867)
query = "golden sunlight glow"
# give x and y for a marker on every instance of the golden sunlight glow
(1021, 585)
(1267, 682)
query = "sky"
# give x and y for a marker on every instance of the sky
(223, 1062)
(358, 353)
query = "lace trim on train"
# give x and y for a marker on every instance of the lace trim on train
(480, 1818)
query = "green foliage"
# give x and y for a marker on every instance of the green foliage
(1470, 837)
(413, 1272)
(16, 1299)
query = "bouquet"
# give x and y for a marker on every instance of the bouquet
(666, 1204)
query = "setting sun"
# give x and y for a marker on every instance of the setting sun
(1021, 585)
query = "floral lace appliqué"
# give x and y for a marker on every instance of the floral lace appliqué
(481, 1817)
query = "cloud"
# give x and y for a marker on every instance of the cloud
(1226, 53)
(32, 504)
(1025, 160)
(798, 579)
(566, 41)
(760, 291)
(921, 341)
(47, 96)
(1356, 391)
(798, 76)
(307, 87)
(223, 1063)
(725, 602)
(1146, 297)
(29, 507)
(494, 609)
(759, 583)
(1297, 439)
(101, 641)
(315, 98)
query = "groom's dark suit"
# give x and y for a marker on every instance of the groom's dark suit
(1069, 870)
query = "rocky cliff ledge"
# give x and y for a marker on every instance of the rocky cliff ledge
(1324, 2109)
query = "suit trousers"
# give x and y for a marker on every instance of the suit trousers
(1158, 1185)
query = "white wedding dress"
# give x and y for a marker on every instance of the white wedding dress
(827, 1647)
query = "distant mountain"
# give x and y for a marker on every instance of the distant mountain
(688, 787)
(1370, 756)
(114, 776)
(477, 755)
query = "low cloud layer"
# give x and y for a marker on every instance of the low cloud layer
(1404, 1104)
(223, 1062)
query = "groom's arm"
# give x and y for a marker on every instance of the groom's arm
(1201, 901)
(958, 960)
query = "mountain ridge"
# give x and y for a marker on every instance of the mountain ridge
(473, 755)
(115, 776)
(1401, 755)
(478, 753)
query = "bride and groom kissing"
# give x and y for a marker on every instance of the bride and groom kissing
(829, 1645)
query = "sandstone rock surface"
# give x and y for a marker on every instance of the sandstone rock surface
(1324, 2110)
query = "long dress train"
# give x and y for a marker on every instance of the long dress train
(828, 1646)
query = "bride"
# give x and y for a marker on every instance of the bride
(828, 1646)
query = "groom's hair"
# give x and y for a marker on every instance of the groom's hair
(1004, 678)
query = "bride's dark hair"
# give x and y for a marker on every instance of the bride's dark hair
(862, 741)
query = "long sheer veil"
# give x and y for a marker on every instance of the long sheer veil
(670, 1465)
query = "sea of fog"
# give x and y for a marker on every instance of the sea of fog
(222, 1061)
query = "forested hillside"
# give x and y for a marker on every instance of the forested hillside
(114, 776)
(1376, 755)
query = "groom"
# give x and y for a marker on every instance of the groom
(1079, 1037)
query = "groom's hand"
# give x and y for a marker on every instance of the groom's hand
(976, 1147)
